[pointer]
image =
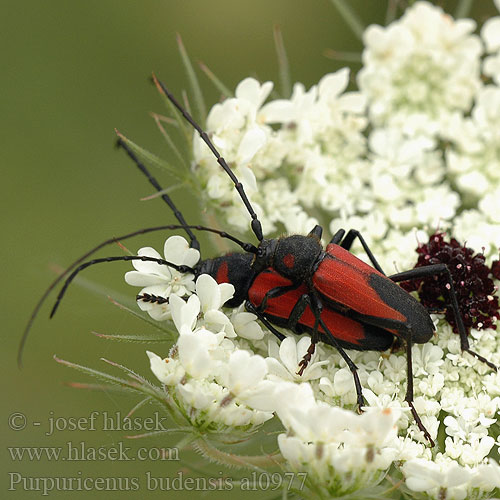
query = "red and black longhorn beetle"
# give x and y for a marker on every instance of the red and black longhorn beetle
(293, 282)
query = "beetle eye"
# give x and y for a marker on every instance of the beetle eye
(261, 251)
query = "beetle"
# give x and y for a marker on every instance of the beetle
(295, 283)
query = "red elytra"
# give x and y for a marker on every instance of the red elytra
(343, 278)
(349, 333)
(335, 276)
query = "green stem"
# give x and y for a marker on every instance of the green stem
(193, 80)
(350, 17)
(242, 461)
(390, 14)
(339, 55)
(463, 8)
(216, 81)
(283, 65)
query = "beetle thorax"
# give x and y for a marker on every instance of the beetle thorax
(295, 256)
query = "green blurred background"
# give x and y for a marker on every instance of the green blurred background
(72, 72)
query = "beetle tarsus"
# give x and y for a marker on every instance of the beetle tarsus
(304, 362)
(482, 359)
(420, 425)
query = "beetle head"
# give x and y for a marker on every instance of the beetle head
(264, 255)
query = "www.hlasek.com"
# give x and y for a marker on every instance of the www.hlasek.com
(81, 452)
(178, 482)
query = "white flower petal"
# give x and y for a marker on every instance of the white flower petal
(331, 85)
(279, 111)
(253, 140)
(490, 33)
(177, 251)
(226, 292)
(251, 90)
(208, 292)
(136, 278)
(184, 314)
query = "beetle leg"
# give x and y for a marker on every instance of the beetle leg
(337, 237)
(434, 270)
(276, 292)
(404, 331)
(296, 313)
(436, 310)
(347, 241)
(259, 310)
(409, 390)
(251, 308)
(293, 319)
(307, 357)
(317, 232)
(317, 307)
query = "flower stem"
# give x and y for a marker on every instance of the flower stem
(230, 459)
(350, 17)
(463, 8)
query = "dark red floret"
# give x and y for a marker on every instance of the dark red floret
(495, 269)
(472, 279)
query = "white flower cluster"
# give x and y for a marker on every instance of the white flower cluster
(215, 378)
(473, 158)
(341, 452)
(416, 147)
(204, 371)
(490, 34)
(420, 70)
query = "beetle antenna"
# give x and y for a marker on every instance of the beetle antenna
(247, 247)
(177, 213)
(256, 225)
(144, 258)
